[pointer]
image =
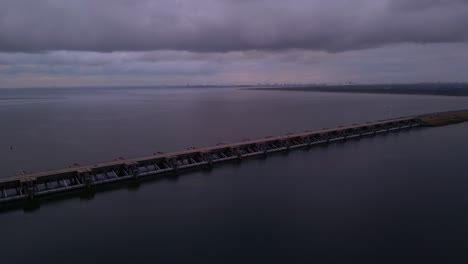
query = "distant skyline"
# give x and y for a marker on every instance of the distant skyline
(55, 43)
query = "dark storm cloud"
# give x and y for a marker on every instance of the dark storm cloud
(227, 25)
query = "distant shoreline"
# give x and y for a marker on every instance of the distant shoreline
(32, 98)
(418, 89)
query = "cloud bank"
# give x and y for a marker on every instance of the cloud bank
(178, 42)
(227, 25)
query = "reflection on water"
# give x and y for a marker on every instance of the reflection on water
(382, 199)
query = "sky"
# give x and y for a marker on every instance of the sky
(60, 43)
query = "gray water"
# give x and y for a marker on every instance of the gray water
(400, 197)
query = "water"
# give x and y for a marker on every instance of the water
(394, 198)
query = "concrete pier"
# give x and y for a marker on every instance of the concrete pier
(35, 185)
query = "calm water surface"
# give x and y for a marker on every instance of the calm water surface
(400, 197)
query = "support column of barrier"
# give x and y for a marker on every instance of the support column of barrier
(287, 144)
(132, 169)
(29, 187)
(174, 164)
(237, 153)
(85, 177)
(209, 159)
(263, 147)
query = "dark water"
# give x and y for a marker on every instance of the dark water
(389, 199)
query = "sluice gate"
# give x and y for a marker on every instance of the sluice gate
(35, 185)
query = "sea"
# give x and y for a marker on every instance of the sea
(395, 198)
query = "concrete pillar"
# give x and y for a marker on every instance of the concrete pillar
(288, 144)
(135, 172)
(238, 153)
(264, 148)
(29, 187)
(174, 164)
(209, 159)
(131, 168)
(87, 179)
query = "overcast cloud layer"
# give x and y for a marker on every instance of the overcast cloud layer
(147, 42)
(227, 25)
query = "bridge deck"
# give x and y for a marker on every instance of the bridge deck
(31, 185)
